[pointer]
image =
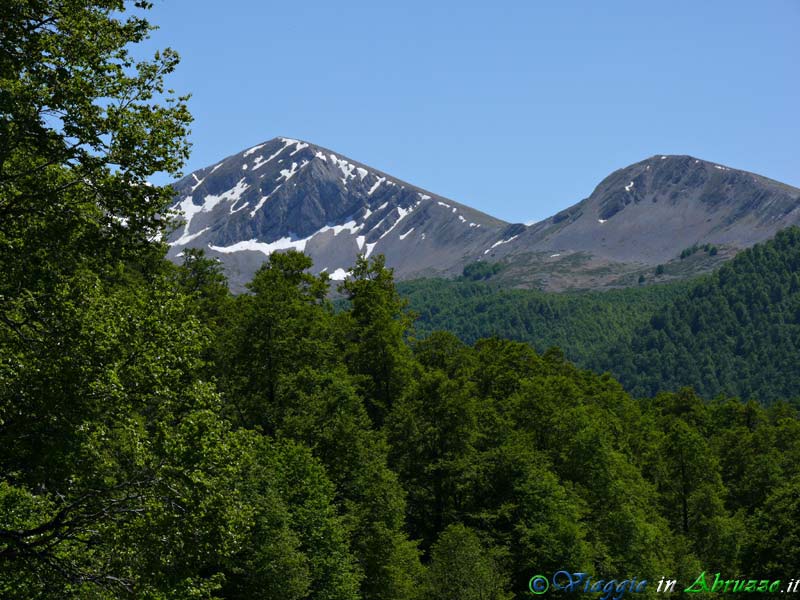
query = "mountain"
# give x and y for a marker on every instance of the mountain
(287, 193)
(645, 215)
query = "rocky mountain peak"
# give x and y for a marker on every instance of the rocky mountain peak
(287, 193)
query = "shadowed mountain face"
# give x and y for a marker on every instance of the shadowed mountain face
(290, 194)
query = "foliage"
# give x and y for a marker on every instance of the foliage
(735, 333)
(582, 324)
(481, 270)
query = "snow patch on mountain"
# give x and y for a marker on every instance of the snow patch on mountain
(496, 244)
(284, 243)
(300, 146)
(403, 213)
(252, 150)
(376, 185)
(287, 174)
(188, 209)
(345, 167)
(186, 237)
(350, 226)
(263, 199)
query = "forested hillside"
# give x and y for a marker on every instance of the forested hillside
(581, 324)
(490, 460)
(736, 333)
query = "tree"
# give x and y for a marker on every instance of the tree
(100, 393)
(83, 126)
(323, 411)
(374, 331)
(462, 568)
(432, 431)
(203, 278)
(282, 327)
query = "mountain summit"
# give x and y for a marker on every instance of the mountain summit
(649, 211)
(286, 193)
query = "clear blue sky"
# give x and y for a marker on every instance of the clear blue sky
(518, 108)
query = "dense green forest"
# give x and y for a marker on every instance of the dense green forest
(581, 324)
(163, 439)
(735, 332)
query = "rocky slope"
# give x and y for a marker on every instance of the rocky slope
(286, 193)
(290, 194)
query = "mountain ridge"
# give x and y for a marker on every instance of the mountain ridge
(288, 193)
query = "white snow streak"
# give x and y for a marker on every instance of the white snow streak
(300, 146)
(186, 238)
(285, 243)
(375, 187)
(289, 173)
(199, 181)
(190, 209)
(253, 150)
(511, 239)
(345, 167)
(262, 200)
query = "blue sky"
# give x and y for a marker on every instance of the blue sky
(517, 108)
